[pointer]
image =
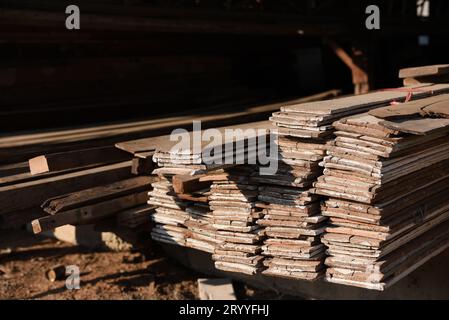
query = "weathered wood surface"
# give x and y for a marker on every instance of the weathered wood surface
(437, 106)
(164, 144)
(388, 209)
(361, 103)
(88, 214)
(97, 194)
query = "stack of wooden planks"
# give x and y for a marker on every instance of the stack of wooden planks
(52, 175)
(170, 216)
(183, 215)
(387, 178)
(233, 202)
(201, 233)
(292, 218)
(293, 225)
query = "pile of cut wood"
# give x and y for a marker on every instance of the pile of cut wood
(72, 187)
(292, 218)
(387, 176)
(233, 202)
(170, 216)
(183, 193)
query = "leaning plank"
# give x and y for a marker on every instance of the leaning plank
(97, 194)
(77, 159)
(88, 213)
(34, 193)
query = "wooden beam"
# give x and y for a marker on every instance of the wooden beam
(97, 194)
(89, 213)
(76, 159)
(33, 193)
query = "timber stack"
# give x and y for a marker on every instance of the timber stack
(387, 179)
(233, 202)
(293, 221)
(50, 163)
(183, 195)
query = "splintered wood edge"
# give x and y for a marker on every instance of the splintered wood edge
(38, 165)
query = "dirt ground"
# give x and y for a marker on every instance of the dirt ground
(25, 258)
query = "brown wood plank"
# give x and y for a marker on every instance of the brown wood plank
(77, 159)
(97, 194)
(88, 214)
(34, 193)
(437, 69)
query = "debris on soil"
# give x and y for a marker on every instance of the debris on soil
(103, 274)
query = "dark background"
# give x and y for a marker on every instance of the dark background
(145, 59)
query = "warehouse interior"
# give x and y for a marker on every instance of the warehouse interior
(138, 69)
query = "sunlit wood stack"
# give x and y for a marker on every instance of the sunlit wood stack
(233, 202)
(170, 215)
(292, 219)
(387, 179)
(292, 225)
(183, 216)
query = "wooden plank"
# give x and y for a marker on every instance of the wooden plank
(77, 159)
(437, 106)
(88, 214)
(164, 144)
(33, 193)
(97, 194)
(423, 126)
(437, 69)
(361, 103)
